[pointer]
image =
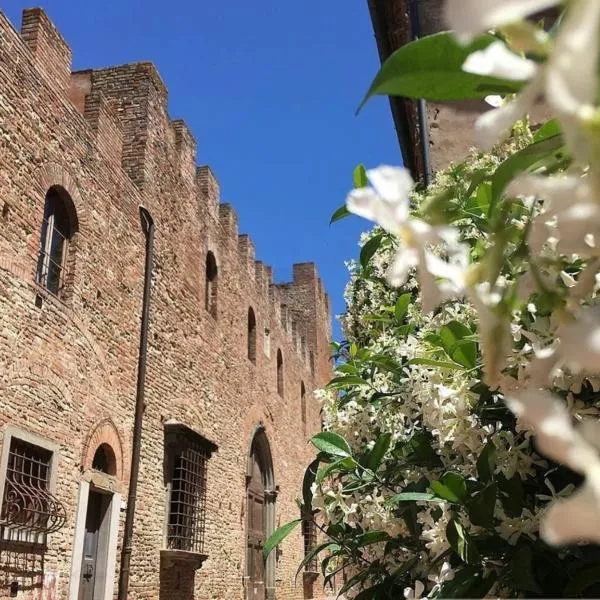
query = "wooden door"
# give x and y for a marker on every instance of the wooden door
(255, 523)
(93, 523)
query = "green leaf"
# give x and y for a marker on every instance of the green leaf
(549, 129)
(486, 463)
(343, 464)
(460, 350)
(371, 537)
(461, 542)
(401, 307)
(314, 551)
(341, 213)
(522, 161)
(414, 497)
(379, 450)
(442, 364)
(512, 495)
(521, 571)
(331, 443)
(481, 506)
(360, 177)
(369, 249)
(346, 381)
(309, 478)
(452, 487)
(431, 69)
(278, 536)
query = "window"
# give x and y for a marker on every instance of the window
(311, 358)
(210, 300)
(309, 533)
(303, 402)
(29, 510)
(283, 317)
(187, 456)
(251, 335)
(303, 347)
(58, 227)
(279, 373)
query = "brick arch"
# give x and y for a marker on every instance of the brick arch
(52, 174)
(105, 432)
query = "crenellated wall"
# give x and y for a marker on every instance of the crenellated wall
(69, 365)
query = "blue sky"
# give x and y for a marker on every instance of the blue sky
(269, 89)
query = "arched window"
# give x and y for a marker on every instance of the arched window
(251, 335)
(212, 272)
(58, 227)
(105, 460)
(279, 373)
(303, 402)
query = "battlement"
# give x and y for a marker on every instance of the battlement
(124, 112)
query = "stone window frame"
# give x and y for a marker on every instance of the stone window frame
(13, 432)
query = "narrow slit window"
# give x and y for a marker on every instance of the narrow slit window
(210, 300)
(303, 402)
(251, 335)
(279, 373)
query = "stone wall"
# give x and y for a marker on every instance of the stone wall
(69, 365)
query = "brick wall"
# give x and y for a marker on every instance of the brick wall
(69, 366)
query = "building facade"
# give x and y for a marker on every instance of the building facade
(232, 358)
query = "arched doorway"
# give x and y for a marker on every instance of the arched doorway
(260, 518)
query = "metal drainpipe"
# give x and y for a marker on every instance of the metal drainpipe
(148, 229)
(421, 104)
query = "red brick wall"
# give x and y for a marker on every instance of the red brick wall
(69, 368)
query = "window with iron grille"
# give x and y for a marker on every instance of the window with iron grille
(309, 533)
(29, 510)
(187, 459)
(58, 226)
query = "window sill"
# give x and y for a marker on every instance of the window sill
(170, 558)
(310, 576)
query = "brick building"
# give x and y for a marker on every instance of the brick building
(232, 357)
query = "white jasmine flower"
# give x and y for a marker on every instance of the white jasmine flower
(498, 61)
(387, 203)
(446, 574)
(495, 125)
(577, 518)
(580, 341)
(568, 279)
(470, 18)
(494, 100)
(572, 71)
(416, 592)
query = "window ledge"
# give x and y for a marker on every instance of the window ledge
(170, 558)
(310, 576)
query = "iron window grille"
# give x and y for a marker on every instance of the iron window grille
(187, 460)
(29, 511)
(309, 533)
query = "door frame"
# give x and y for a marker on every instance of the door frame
(260, 443)
(106, 583)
